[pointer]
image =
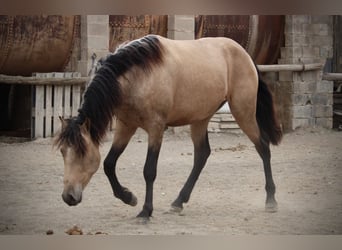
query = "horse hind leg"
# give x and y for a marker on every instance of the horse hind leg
(263, 148)
(199, 136)
(244, 113)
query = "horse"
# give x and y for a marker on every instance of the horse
(152, 83)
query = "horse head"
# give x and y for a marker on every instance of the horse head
(81, 158)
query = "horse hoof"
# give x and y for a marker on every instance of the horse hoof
(271, 207)
(134, 201)
(175, 209)
(142, 220)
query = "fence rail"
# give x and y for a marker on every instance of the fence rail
(68, 78)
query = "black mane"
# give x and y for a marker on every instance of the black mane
(104, 92)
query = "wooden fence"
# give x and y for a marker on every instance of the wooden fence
(49, 101)
(53, 95)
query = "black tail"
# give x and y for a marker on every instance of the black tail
(266, 116)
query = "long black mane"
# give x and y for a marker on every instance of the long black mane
(104, 93)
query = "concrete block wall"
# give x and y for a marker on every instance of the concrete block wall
(181, 27)
(303, 98)
(94, 39)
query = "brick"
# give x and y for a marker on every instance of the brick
(301, 99)
(311, 51)
(304, 87)
(323, 111)
(324, 122)
(322, 99)
(307, 76)
(98, 29)
(293, 28)
(325, 87)
(320, 29)
(302, 76)
(302, 111)
(98, 42)
(181, 27)
(301, 19)
(296, 40)
(302, 123)
(317, 40)
(291, 52)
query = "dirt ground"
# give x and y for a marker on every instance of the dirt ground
(228, 198)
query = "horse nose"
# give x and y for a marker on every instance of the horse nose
(71, 199)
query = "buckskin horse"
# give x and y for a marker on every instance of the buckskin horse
(152, 83)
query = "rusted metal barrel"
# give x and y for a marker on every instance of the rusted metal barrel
(39, 43)
(124, 28)
(262, 36)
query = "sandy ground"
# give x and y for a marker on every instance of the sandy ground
(228, 198)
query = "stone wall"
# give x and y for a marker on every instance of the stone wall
(94, 39)
(303, 98)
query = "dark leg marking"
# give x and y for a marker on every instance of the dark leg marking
(202, 152)
(109, 167)
(263, 148)
(150, 173)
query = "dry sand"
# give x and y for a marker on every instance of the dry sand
(228, 198)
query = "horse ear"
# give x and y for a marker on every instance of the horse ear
(86, 125)
(63, 121)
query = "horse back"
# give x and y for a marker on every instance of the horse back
(194, 78)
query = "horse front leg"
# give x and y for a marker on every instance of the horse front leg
(150, 171)
(123, 134)
(199, 136)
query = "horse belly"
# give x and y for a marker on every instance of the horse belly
(196, 102)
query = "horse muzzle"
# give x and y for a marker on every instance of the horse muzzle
(72, 196)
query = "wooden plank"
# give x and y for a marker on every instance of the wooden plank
(76, 99)
(39, 112)
(57, 107)
(42, 79)
(48, 111)
(67, 101)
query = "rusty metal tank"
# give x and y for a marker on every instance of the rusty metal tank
(124, 28)
(39, 43)
(261, 35)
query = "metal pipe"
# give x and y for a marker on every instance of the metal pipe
(290, 67)
(332, 76)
